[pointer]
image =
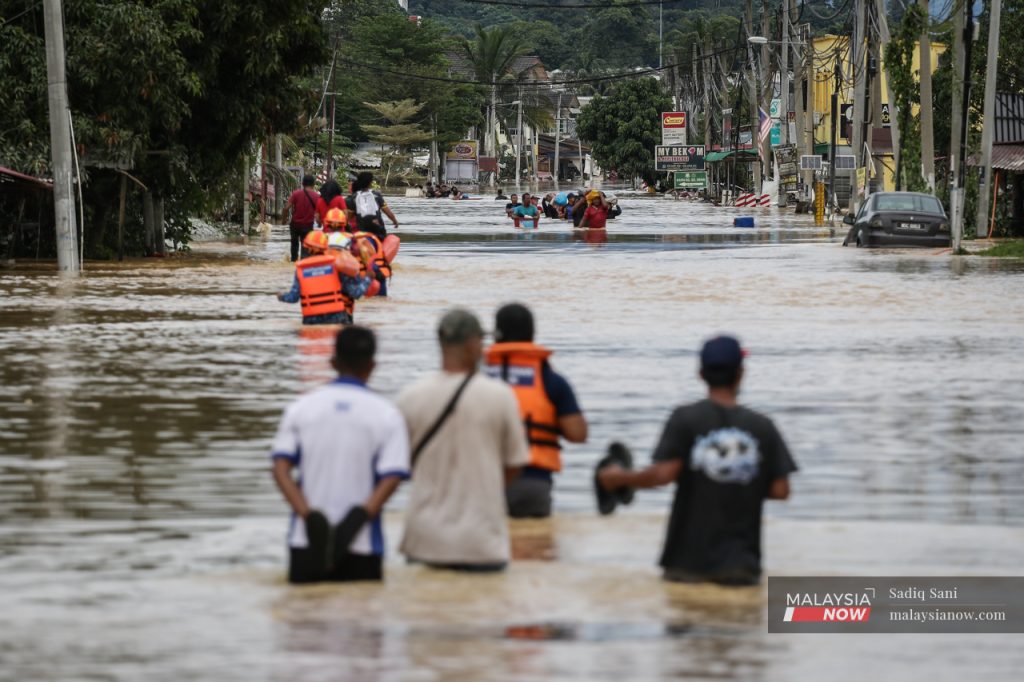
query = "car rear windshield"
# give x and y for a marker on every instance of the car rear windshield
(908, 202)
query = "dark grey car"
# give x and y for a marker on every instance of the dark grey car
(899, 219)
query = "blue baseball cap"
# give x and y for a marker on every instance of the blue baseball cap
(720, 357)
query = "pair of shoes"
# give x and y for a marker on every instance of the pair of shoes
(330, 549)
(608, 500)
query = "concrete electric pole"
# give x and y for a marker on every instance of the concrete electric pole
(60, 139)
(927, 134)
(755, 124)
(989, 116)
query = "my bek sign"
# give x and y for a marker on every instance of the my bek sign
(679, 157)
(673, 127)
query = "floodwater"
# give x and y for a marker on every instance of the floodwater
(141, 536)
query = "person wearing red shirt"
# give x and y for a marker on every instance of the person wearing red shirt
(596, 214)
(330, 197)
(302, 205)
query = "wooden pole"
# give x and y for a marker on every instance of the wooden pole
(120, 218)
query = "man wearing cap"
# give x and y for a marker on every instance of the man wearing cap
(725, 460)
(467, 442)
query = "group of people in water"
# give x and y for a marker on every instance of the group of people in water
(482, 446)
(585, 208)
(345, 249)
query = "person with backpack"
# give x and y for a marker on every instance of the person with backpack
(366, 206)
(302, 206)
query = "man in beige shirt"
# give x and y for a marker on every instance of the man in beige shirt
(457, 512)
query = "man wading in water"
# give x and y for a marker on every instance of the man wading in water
(351, 450)
(725, 460)
(547, 406)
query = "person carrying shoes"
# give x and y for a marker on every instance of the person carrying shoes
(350, 449)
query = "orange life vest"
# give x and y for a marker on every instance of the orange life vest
(520, 365)
(320, 287)
(381, 263)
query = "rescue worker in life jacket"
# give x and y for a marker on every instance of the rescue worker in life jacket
(369, 248)
(547, 405)
(328, 282)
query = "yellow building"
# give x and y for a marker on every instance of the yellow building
(826, 49)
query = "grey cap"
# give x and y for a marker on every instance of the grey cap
(458, 325)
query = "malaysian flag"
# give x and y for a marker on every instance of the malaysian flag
(765, 131)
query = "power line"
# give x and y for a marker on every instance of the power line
(538, 85)
(592, 5)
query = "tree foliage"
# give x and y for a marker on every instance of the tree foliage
(624, 127)
(899, 55)
(399, 134)
(178, 90)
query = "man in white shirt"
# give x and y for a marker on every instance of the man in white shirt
(457, 516)
(351, 450)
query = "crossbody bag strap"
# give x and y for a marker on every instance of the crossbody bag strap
(310, 200)
(449, 408)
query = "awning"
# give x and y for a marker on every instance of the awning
(13, 176)
(722, 156)
(1008, 157)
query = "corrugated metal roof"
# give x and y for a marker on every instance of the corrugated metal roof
(1008, 157)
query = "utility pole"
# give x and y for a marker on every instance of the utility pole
(981, 223)
(708, 76)
(835, 133)
(956, 194)
(329, 165)
(927, 134)
(958, 92)
(661, 16)
(858, 71)
(519, 136)
(875, 65)
(279, 162)
(784, 78)
(558, 139)
(884, 38)
(492, 124)
(245, 196)
(765, 82)
(809, 84)
(694, 89)
(60, 140)
(755, 123)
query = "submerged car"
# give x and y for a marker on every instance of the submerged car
(899, 219)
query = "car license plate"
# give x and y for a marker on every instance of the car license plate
(913, 226)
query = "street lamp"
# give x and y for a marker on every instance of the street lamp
(757, 40)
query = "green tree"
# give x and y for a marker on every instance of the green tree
(389, 58)
(399, 135)
(899, 54)
(178, 89)
(493, 54)
(624, 127)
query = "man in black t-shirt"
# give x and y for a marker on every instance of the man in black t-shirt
(725, 460)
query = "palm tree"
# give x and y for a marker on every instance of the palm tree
(493, 54)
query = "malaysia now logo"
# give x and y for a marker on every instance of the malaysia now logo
(830, 607)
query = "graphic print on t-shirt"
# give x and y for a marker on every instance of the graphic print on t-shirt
(728, 455)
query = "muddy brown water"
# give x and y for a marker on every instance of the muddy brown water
(141, 536)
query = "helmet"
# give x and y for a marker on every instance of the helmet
(315, 240)
(339, 240)
(335, 218)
